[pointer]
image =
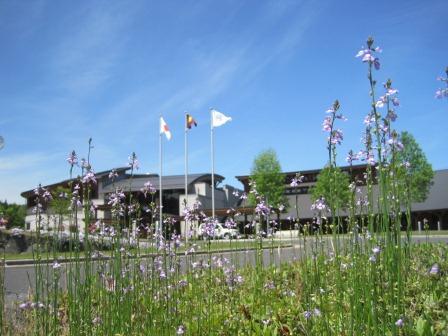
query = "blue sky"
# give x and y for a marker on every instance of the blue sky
(107, 69)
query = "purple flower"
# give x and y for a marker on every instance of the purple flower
(391, 115)
(395, 144)
(262, 209)
(89, 177)
(368, 54)
(39, 305)
(208, 228)
(269, 285)
(327, 124)
(31, 305)
(230, 223)
(399, 323)
(376, 250)
(25, 305)
(148, 188)
(369, 120)
(17, 232)
(294, 183)
(319, 204)
(180, 330)
(380, 103)
(441, 93)
(352, 157)
(176, 240)
(72, 159)
(371, 159)
(113, 174)
(395, 101)
(390, 91)
(116, 201)
(97, 321)
(435, 270)
(336, 137)
(307, 314)
(340, 116)
(133, 162)
(296, 180)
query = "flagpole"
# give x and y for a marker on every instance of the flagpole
(160, 183)
(212, 144)
(186, 177)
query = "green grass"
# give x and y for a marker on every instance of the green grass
(215, 246)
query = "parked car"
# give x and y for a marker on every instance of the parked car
(220, 232)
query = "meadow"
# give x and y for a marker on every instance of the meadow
(370, 280)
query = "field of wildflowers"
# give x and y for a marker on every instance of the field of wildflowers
(371, 281)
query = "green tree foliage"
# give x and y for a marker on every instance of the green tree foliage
(333, 185)
(416, 179)
(13, 213)
(267, 175)
(60, 203)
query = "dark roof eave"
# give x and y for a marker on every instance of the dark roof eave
(311, 171)
(98, 175)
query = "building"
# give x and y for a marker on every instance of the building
(199, 189)
(434, 211)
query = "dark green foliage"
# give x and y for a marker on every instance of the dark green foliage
(333, 185)
(60, 203)
(13, 213)
(267, 175)
(417, 179)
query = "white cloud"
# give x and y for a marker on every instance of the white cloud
(20, 161)
(86, 56)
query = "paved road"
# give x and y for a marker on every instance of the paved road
(20, 278)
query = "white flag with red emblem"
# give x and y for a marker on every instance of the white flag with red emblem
(164, 129)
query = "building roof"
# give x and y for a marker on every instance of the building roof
(169, 182)
(66, 182)
(309, 175)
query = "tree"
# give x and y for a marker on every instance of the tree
(267, 174)
(60, 204)
(415, 173)
(333, 185)
(14, 214)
